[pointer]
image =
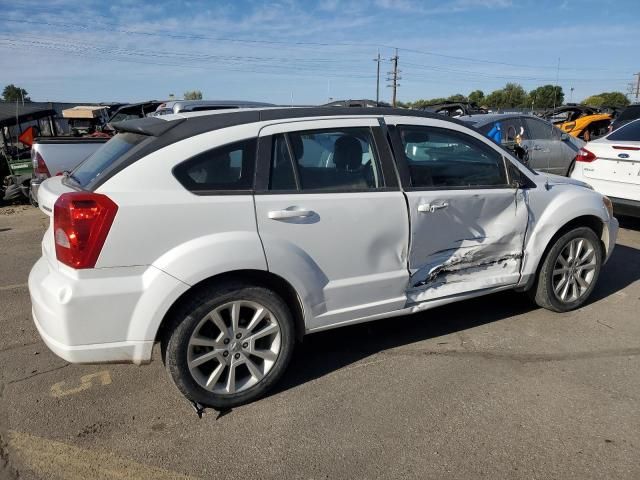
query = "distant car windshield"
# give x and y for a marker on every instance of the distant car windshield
(106, 157)
(629, 132)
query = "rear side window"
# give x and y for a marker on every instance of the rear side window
(538, 129)
(325, 160)
(107, 156)
(441, 158)
(628, 132)
(226, 168)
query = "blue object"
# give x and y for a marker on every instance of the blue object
(495, 133)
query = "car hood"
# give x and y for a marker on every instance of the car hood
(544, 179)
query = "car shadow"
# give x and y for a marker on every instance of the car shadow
(631, 223)
(332, 350)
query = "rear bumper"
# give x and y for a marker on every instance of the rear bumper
(624, 206)
(100, 318)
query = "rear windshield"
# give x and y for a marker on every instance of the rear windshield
(105, 158)
(628, 132)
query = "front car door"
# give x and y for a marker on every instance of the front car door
(467, 222)
(332, 218)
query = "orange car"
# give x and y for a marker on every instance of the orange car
(580, 121)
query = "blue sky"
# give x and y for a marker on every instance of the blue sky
(125, 50)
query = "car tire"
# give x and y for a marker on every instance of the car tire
(203, 326)
(579, 270)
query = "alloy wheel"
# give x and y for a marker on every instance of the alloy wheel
(574, 270)
(234, 347)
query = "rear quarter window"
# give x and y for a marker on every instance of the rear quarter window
(628, 132)
(225, 168)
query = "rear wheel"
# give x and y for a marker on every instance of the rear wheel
(569, 272)
(230, 345)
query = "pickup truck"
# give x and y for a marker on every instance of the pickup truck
(52, 156)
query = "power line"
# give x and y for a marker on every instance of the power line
(116, 27)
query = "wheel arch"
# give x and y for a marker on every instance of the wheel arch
(260, 278)
(591, 221)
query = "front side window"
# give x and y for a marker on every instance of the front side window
(229, 167)
(440, 158)
(325, 160)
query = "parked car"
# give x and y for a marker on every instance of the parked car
(535, 142)
(51, 156)
(580, 121)
(178, 106)
(456, 109)
(627, 115)
(132, 111)
(611, 165)
(227, 236)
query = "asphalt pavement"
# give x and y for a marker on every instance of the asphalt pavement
(487, 388)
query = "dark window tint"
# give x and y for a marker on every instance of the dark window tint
(628, 132)
(539, 130)
(329, 160)
(282, 176)
(106, 156)
(439, 157)
(629, 113)
(229, 167)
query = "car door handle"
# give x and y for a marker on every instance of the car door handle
(431, 207)
(289, 213)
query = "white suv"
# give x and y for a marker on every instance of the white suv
(228, 236)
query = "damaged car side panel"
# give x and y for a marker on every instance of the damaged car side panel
(477, 239)
(552, 207)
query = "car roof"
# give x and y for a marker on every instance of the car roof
(188, 124)
(214, 103)
(485, 118)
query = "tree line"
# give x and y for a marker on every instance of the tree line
(513, 95)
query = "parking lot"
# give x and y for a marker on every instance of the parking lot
(488, 388)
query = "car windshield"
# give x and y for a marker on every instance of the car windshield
(105, 157)
(629, 132)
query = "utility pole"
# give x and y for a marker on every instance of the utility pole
(394, 77)
(377, 60)
(637, 86)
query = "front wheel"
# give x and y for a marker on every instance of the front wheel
(569, 272)
(230, 345)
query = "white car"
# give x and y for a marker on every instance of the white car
(226, 237)
(611, 165)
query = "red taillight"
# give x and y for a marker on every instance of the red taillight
(585, 155)
(81, 222)
(40, 166)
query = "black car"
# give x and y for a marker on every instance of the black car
(627, 115)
